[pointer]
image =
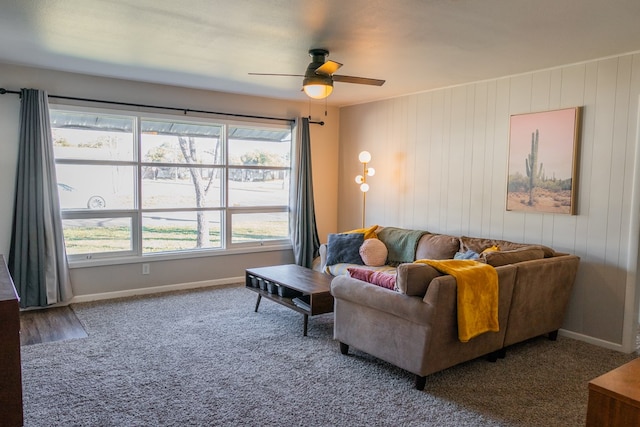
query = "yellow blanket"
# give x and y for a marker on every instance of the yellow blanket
(477, 295)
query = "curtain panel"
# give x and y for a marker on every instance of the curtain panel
(304, 231)
(37, 259)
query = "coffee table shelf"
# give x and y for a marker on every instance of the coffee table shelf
(283, 284)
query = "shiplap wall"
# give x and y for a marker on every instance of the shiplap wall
(441, 165)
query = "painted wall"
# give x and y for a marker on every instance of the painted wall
(441, 165)
(127, 277)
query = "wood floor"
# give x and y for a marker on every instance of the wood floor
(48, 325)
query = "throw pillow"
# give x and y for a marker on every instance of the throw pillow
(373, 252)
(491, 249)
(344, 248)
(378, 278)
(466, 255)
(369, 233)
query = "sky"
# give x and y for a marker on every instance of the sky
(555, 143)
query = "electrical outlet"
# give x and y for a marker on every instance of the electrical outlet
(145, 269)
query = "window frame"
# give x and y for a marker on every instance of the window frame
(136, 214)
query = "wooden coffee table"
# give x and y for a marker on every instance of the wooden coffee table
(299, 288)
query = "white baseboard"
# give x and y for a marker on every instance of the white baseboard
(591, 340)
(156, 289)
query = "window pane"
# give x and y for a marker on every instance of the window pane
(258, 187)
(173, 142)
(257, 227)
(95, 186)
(95, 235)
(177, 231)
(259, 147)
(160, 173)
(175, 187)
(91, 136)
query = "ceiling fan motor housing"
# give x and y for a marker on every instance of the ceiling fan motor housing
(318, 57)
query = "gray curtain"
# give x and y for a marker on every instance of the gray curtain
(304, 232)
(37, 259)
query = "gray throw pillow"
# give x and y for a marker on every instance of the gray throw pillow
(344, 248)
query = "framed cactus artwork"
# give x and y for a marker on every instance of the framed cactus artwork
(543, 161)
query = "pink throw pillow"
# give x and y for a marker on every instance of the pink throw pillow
(373, 252)
(378, 278)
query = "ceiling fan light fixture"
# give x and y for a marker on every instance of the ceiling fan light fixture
(318, 91)
(317, 87)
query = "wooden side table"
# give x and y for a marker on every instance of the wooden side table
(614, 398)
(10, 367)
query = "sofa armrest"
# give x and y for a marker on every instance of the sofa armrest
(323, 256)
(540, 296)
(411, 308)
(320, 262)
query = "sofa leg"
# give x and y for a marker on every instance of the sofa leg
(344, 348)
(553, 335)
(420, 382)
(495, 355)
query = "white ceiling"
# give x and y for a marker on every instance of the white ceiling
(415, 45)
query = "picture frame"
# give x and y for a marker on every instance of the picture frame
(543, 161)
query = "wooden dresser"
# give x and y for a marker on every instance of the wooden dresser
(10, 369)
(614, 398)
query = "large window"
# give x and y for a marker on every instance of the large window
(131, 185)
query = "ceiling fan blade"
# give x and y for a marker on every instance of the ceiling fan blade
(328, 68)
(272, 74)
(358, 80)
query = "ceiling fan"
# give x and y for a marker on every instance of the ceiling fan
(319, 77)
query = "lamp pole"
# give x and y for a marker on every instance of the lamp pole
(365, 158)
(364, 194)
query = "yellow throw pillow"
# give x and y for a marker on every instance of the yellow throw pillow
(493, 248)
(369, 233)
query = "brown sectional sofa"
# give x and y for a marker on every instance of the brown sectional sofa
(415, 326)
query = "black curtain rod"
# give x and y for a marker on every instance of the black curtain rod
(184, 110)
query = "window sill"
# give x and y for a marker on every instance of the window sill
(97, 262)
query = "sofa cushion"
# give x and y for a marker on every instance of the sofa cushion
(479, 244)
(498, 258)
(344, 248)
(437, 246)
(379, 278)
(413, 279)
(373, 252)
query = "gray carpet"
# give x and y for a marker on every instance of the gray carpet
(204, 358)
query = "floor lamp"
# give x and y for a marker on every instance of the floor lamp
(365, 158)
